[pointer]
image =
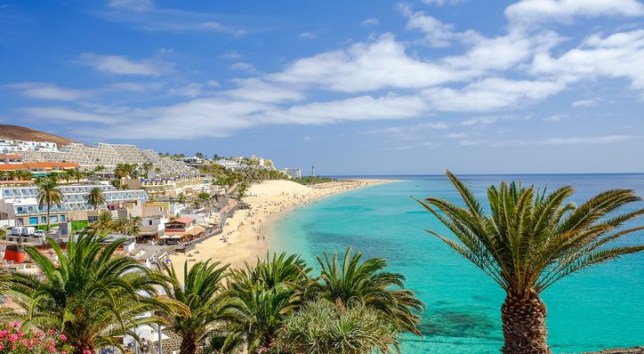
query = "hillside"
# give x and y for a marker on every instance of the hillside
(15, 132)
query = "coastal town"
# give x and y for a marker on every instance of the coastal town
(162, 209)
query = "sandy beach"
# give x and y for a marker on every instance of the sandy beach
(246, 231)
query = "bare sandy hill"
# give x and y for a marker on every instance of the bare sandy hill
(15, 132)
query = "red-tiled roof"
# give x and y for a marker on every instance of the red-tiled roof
(184, 220)
(51, 164)
(32, 165)
(12, 167)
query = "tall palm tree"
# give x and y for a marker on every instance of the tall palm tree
(204, 296)
(92, 295)
(48, 195)
(350, 281)
(95, 197)
(529, 240)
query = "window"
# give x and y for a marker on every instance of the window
(43, 219)
(150, 223)
(53, 219)
(33, 220)
(62, 218)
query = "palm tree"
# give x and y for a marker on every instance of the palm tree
(266, 294)
(92, 295)
(203, 295)
(133, 227)
(147, 166)
(352, 282)
(529, 240)
(120, 225)
(69, 174)
(318, 328)
(95, 197)
(256, 318)
(104, 222)
(48, 195)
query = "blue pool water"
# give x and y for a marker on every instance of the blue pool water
(598, 308)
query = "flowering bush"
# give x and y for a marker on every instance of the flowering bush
(15, 341)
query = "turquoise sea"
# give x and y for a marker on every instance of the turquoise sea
(601, 307)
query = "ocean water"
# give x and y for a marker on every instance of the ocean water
(599, 308)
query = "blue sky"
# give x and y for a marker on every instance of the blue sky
(353, 87)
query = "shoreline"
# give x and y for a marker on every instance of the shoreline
(245, 232)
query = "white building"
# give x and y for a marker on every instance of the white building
(293, 172)
(19, 205)
(8, 146)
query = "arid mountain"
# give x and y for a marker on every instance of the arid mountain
(15, 132)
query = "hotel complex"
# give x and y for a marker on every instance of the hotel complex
(19, 205)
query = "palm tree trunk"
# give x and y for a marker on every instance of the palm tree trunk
(48, 217)
(188, 345)
(524, 324)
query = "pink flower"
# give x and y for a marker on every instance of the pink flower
(63, 337)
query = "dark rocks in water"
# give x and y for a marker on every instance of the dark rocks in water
(457, 323)
(636, 350)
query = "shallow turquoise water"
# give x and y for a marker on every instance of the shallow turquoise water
(598, 308)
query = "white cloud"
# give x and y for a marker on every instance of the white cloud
(371, 22)
(376, 65)
(190, 90)
(437, 33)
(242, 66)
(408, 132)
(139, 87)
(492, 119)
(260, 91)
(67, 115)
(232, 55)
(308, 35)
(360, 108)
(555, 118)
(619, 55)
(134, 5)
(491, 94)
(213, 83)
(584, 103)
(144, 15)
(118, 65)
(47, 91)
(539, 11)
(441, 2)
(585, 140)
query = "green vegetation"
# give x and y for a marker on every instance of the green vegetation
(48, 195)
(530, 240)
(95, 197)
(94, 296)
(313, 180)
(77, 226)
(204, 298)
(318, 328)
